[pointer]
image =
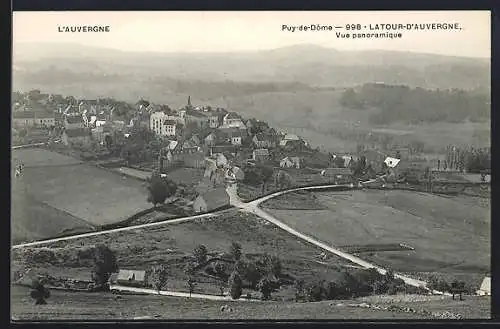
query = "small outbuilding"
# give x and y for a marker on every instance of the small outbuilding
(485, 289)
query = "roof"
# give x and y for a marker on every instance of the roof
(235, 133)
(211, 136)
(486, 284)
(263, 137)
(131, 275)
(261, 152)
(74, 118)
(188, 144)
(143, 103)
(169, 123)
(78, 132)
(391, 162)
(336, 171)
(173, 144)
(232, 115)
(293, 159)
(291, 137)
(217, 197)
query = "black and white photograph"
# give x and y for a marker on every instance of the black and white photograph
(250, 165)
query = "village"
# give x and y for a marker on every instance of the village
(227, 146)
(217, 149)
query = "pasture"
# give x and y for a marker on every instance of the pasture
(449, 234)
(64, 305)
(173, 245)
(80, 192)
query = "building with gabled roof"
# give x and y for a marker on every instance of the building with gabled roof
(485, 289)
(263, 140)
(211, 200)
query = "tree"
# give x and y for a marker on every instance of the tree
(252, 273)
(159, 189)
(200, 254)
(338, 162)
(191, 284)
(219, 268)
(331, 290)
(189, 268)
(158, 277)
(272, 265)
(457, 287)
(300, 290)
(104, 264)
(235, 251)
(236, 285)
(265, 287)
(350, 99)
(39, 293)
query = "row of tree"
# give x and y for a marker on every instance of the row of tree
(415, 105)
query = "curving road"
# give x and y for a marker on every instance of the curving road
(253, 207)
(178, 294)
(121, 229)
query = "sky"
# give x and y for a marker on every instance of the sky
(217, 31)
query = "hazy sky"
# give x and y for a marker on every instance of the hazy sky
(235, 31)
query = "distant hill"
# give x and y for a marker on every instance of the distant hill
(308, 64)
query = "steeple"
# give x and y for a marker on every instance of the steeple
(189, 101)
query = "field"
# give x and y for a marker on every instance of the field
(174, 244)
(83, 306)
(57, 187)
(450, 235)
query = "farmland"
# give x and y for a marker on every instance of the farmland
(435, 226)
(173, 245)
(53, 187)
(83, 306)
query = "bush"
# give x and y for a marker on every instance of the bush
(316, 292)
(201, 254)
(265, 287)
(300, 290)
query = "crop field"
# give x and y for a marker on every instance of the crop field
(53, 187)
(64, 305)
(449, 234)
(173, 245)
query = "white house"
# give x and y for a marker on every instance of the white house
(232, 120)
(289, 138)
(169, 127)
(391, 162)
(164, 124)
(485, 289)
(290, 162)
(235, 138)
